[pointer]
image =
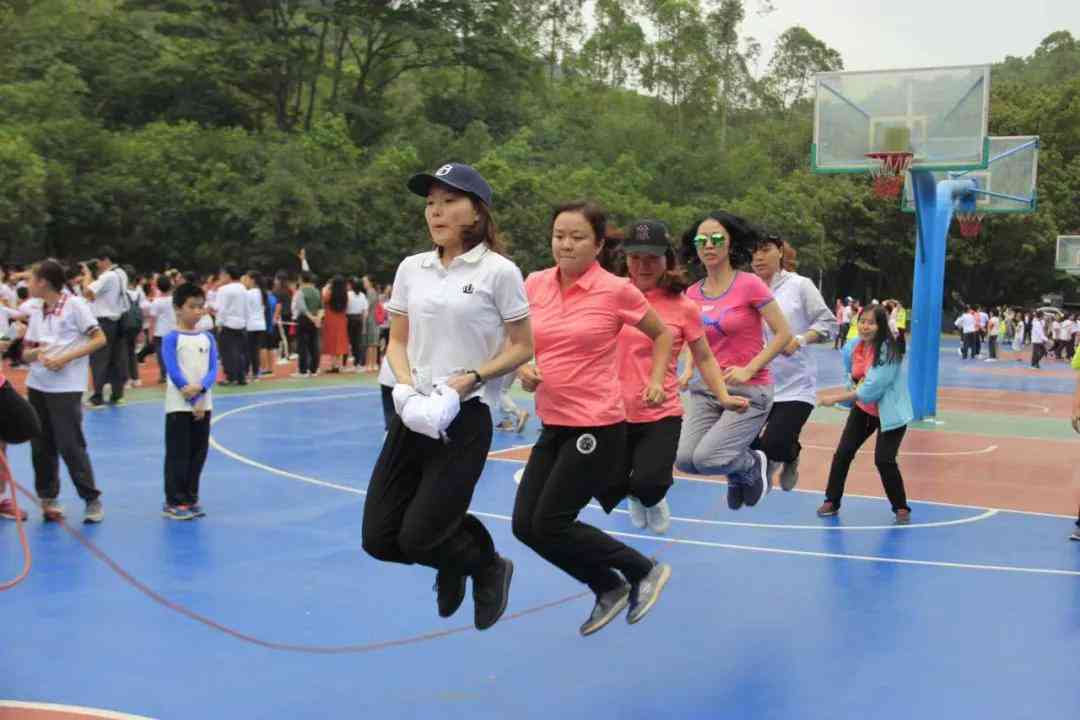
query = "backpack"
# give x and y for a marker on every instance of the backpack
(131, 320)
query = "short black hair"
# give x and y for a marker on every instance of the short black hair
(307, 276)
(190, 277)
(185, 292)
(107, 252)
(164, 284)
(232, 271)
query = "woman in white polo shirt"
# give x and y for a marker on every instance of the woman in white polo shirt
(452, 310)
(61, 336)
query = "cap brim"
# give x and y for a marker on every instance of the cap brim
(645, 250)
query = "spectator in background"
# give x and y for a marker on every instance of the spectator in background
(108, 302)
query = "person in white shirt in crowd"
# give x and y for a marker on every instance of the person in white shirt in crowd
(136, 299)
(356, 315)
(8, 297)
(452, 309)
(61, 336)
(1065, 351)
(256, 306)
(162, 320)
(843, 320)
(968, 325)
(230, 303)
(1054, 336)
(1039, 340)
(108, 301)
(983, 319)
(992, 326)
(794, 370)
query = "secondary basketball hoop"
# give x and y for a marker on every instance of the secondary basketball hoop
(889, 173)
(970, 224)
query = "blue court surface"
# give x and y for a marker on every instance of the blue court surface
(268, 607)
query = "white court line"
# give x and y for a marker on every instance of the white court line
(70, 709)
(680, 541)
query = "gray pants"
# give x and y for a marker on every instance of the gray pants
(61, 437)
(715, 441)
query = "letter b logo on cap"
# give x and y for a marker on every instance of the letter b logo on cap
(444, 171)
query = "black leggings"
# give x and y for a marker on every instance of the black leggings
(567, 468)
(650, 458)
(780, 438)
(256, 341)
(860, 426)
(418, 498)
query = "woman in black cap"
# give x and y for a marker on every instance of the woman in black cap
(453, 309)
(652, 431)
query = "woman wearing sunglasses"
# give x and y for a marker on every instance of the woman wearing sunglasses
(733, 303)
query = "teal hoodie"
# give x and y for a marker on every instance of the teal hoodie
(885, 385)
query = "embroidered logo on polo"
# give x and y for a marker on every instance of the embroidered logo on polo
(586, 444)
(468, 289)
(444, 171)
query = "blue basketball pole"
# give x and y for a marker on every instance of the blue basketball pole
(934, 205)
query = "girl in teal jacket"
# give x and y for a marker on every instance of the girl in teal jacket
(873, 362)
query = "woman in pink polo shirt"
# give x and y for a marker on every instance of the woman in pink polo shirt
(578, 309)
(733, 304)
(652, 431)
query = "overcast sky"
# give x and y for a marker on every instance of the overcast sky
(876, 34)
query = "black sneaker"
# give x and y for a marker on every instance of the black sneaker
(644, 594)
(606, 609)
(734, 495)
(451, 590)
(491, 592)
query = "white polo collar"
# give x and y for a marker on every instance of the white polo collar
(472, 257)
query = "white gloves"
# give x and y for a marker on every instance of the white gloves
(428, 415)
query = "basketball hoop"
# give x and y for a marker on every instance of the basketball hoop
(970, 224)
(889, 173)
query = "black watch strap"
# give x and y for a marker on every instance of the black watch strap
(479, 377)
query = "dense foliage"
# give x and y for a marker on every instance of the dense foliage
(194, 131)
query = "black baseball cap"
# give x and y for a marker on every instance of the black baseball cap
(647, 236)
(456, 175)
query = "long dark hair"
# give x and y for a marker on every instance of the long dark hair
(596, 216)
(257, 281)
(744, 238)
(886, 349)
(339, 295)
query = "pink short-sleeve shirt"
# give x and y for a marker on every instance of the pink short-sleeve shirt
(680, 315)
(575, 334)
(733, 322)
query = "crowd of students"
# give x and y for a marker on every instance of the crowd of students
(597, 337)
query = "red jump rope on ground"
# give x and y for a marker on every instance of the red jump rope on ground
(9, 479)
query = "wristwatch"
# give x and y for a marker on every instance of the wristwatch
(478, 376)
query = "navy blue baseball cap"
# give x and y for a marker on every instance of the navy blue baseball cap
(456, 175)
(648, 237)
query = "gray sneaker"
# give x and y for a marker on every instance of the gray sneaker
(645, 594)
(789, 475)
(95, 513)
(607, 607)
(637, 512)
(659, 517)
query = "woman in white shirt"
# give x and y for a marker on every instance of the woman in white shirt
(794, 370)
(255, 306)
(356, 315)
(452, 309)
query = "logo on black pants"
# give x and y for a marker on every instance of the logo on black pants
(586, 444)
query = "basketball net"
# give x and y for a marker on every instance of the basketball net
(888, 174)
(970, 224)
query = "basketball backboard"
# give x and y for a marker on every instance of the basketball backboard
(1068, 254)
(939, 114)
(1007, 185)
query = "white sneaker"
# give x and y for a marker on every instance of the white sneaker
(659, 517)
(637, 512)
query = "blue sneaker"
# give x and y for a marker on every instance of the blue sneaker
(759, 480)
(177, 512)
